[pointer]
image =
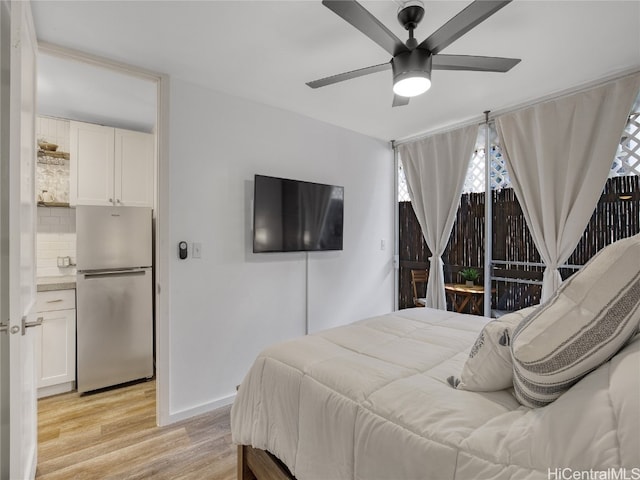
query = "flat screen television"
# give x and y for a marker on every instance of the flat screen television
(294, 216)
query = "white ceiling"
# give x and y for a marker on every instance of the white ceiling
(80, 91)
(266, 51)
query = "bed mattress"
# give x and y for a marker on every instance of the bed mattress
(370, 401)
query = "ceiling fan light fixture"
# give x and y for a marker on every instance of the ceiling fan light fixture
(411, 73)
(411, 86)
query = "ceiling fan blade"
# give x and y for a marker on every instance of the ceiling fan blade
(474, 63)
(359, 17)
(464, 21)
(399, 101)
(341, 77)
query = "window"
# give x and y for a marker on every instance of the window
(517, 268)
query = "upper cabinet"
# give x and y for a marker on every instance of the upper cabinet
(134, 161)
(110, 166)
(92, 162)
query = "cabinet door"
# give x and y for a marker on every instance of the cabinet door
(134, 172)
(91, 164)
(56, 355)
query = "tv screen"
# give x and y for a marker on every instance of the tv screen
(294, 216)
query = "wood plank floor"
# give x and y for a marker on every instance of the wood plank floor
(113, 435)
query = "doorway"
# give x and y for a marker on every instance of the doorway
(76, 87)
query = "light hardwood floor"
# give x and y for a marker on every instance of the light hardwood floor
(113, 435)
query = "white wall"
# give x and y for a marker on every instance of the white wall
(231, 303)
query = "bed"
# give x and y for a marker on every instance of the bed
(549, 392)
(371, 400)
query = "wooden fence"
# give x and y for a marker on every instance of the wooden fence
(616, 216)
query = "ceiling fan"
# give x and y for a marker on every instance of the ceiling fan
(412, 62)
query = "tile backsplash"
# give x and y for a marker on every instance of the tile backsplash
(52, 174)
(56, 238)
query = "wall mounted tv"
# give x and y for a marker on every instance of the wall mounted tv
(294, 216)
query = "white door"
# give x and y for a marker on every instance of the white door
(18, 440)
(5, 42)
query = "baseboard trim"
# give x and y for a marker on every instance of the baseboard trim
(200, 409)
(56, 389)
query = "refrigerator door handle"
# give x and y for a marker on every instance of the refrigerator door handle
(111, 273)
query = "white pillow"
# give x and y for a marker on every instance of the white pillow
(591, 316)
(489, 366)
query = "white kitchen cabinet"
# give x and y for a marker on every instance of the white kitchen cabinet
(56, 342)
(110, 166)
(134, 161)
(91, 164)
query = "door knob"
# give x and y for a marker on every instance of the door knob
(26, 324)
(4, 327)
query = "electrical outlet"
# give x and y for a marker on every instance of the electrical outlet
(197, 250)
(64, 262)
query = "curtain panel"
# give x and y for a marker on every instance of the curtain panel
(558, 154)
(435, 168)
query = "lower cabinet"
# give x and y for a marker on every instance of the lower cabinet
(56, 342)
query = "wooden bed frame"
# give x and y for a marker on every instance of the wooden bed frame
(256, 464)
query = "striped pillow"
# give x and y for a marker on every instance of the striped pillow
(591, 316)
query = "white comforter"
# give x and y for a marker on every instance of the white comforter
(370, 401)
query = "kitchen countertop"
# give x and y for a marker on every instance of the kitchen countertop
(46, 284)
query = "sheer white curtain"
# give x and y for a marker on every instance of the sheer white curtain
(435, 168)
(559, 154)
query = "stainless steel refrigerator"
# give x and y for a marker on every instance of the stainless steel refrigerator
(114, 296)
